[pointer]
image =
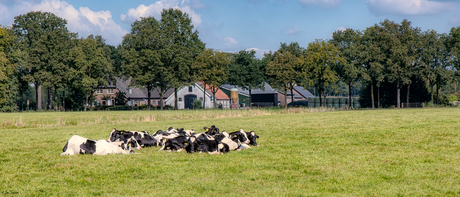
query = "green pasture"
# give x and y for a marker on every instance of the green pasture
(406, 152)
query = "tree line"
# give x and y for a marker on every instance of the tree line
(158, 54)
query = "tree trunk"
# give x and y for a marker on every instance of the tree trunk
(292, 95)
(161, 99)
(437, 94)
(432, 94)
(372, 96)
(50, 98)
(63, 100)
(175, 99)
(378, 97)
(55, 99)
(349, 96)
(408, 93)
(214, 100)
(398, 98)
(204, 95)
(38, 96)
(320, 100)
(324, 98)
(250, 98)
(285, 97)
(86, 102)
(148, 96)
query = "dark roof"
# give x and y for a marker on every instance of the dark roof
(240, 90)
(266, 90)
(155, 95)
(303, 92)
(123, 85)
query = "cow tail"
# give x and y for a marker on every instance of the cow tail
(65, 147)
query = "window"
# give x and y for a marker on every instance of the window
(201, 98)
(180, 98)
(109, 102)
(190, 89)
(98, 103)
(159, 102)
(130, 90)
(110, 91)
(99, 91)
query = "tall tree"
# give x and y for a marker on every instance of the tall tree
(211, 67)
(179, 46)
(433, 59)
(92, 64)
(348, 42)
(247, 72)
(37, 32)
(282, 72)
(142, 59)
(371, 58)
(400, 44)
(295, 49)
(318, 65)
(8, 71)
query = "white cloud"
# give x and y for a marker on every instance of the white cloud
(321, 3)
(409, 7)
(341, 28)
(156, 8)
(260, 52)
(230, 42)
(291, 30)
(84, 21)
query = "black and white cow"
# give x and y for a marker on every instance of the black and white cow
(224, 138)
(252, 138)
(239, 135)
(212, 131)
(142, 137)
(80, 145)
(205, 143)
(177, 143)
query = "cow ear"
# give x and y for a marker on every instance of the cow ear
(235, 136)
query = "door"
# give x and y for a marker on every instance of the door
(188, 101)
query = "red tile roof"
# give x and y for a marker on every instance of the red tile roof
(220, 95)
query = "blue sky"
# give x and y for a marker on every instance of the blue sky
(233, 25)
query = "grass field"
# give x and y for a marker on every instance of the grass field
(409, 152)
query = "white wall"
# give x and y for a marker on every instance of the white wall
(184, 91)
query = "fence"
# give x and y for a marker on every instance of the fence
(313, 102)
(412, 105)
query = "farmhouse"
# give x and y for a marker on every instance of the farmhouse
(267, 96)
(138, 97)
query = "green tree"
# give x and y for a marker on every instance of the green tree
(433, 60)
(247, 72)
(179, 45)
(348, 42)
(400, 43)
(142, 59)
(211, 67)
(371, 57)
(93, 66)
(318, 65)
(8, 71)
(38, 34)
(282, 72)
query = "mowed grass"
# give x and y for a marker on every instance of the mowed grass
(408, 152)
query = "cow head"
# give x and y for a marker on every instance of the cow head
(130, 144)
(252, 138)
(240, 135)
(119, 135)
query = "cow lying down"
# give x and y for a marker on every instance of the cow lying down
(81, 145)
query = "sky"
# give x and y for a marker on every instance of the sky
(234, 25)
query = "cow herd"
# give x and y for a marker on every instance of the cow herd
(210, 141)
